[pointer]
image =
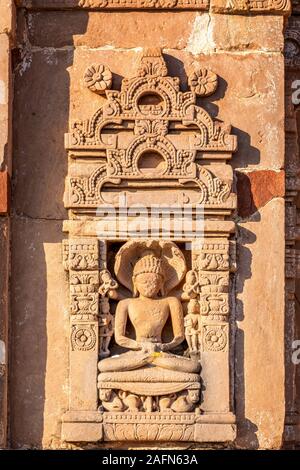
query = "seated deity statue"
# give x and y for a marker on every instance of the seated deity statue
(149, 365)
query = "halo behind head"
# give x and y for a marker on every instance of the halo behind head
(162, 257)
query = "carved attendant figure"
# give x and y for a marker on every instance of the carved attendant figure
(107, 290)
(192, 323)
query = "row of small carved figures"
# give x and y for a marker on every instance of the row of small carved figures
(119, 400)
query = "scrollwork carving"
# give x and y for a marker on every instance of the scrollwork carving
(151, 104)
(292, 43)
(144, 4)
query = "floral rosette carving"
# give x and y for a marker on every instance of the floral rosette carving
(98, 78)
(203, 82)
(215, 338)
(83, 338)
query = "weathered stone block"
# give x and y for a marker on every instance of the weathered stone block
(256, 188)
(82, 432)
(39, 321)
(214, 432)
(260, 321)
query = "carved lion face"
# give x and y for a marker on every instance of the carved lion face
(148, 284)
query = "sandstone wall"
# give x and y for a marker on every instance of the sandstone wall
(53, 49)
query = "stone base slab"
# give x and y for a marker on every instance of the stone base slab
(162, 427)
(82, 432)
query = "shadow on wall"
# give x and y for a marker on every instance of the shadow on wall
(41, 117)
(246, 207)
(246, 155)
(246, 429)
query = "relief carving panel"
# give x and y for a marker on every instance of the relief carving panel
(149, 316)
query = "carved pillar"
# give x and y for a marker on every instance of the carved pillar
(213, 264)
(81, 260)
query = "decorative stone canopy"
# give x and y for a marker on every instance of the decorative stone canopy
(148, 134)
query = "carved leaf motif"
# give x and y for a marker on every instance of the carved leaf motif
(166, 3)
(109, 432)
(98, 78)
(142, 432)
(188, 434)
(167, 433)
(153, 431)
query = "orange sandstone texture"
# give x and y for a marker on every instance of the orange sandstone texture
(256, 188)
(56, 49)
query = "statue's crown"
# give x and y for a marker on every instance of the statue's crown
(148, 264)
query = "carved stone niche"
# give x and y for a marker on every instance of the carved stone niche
(150, 328)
